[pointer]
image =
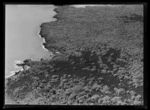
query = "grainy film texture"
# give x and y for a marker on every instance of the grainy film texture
(97, 59)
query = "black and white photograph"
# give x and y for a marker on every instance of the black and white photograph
(78, 54)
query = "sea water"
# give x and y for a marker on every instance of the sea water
(22, 39)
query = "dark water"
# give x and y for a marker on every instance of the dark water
(22, 40)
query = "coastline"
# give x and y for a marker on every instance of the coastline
(56, 18)
(85, 69)
(23, 31)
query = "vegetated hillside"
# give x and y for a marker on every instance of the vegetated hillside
(100, 60)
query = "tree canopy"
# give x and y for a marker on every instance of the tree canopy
(98, 59)
(77, 30)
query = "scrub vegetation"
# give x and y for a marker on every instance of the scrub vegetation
(98, 59)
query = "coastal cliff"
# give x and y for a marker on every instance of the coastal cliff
(98, 59)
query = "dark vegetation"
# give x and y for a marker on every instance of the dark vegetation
(100, 60)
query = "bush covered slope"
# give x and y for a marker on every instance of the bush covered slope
(100, 59)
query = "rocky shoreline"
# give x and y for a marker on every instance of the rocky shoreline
(98, 60)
